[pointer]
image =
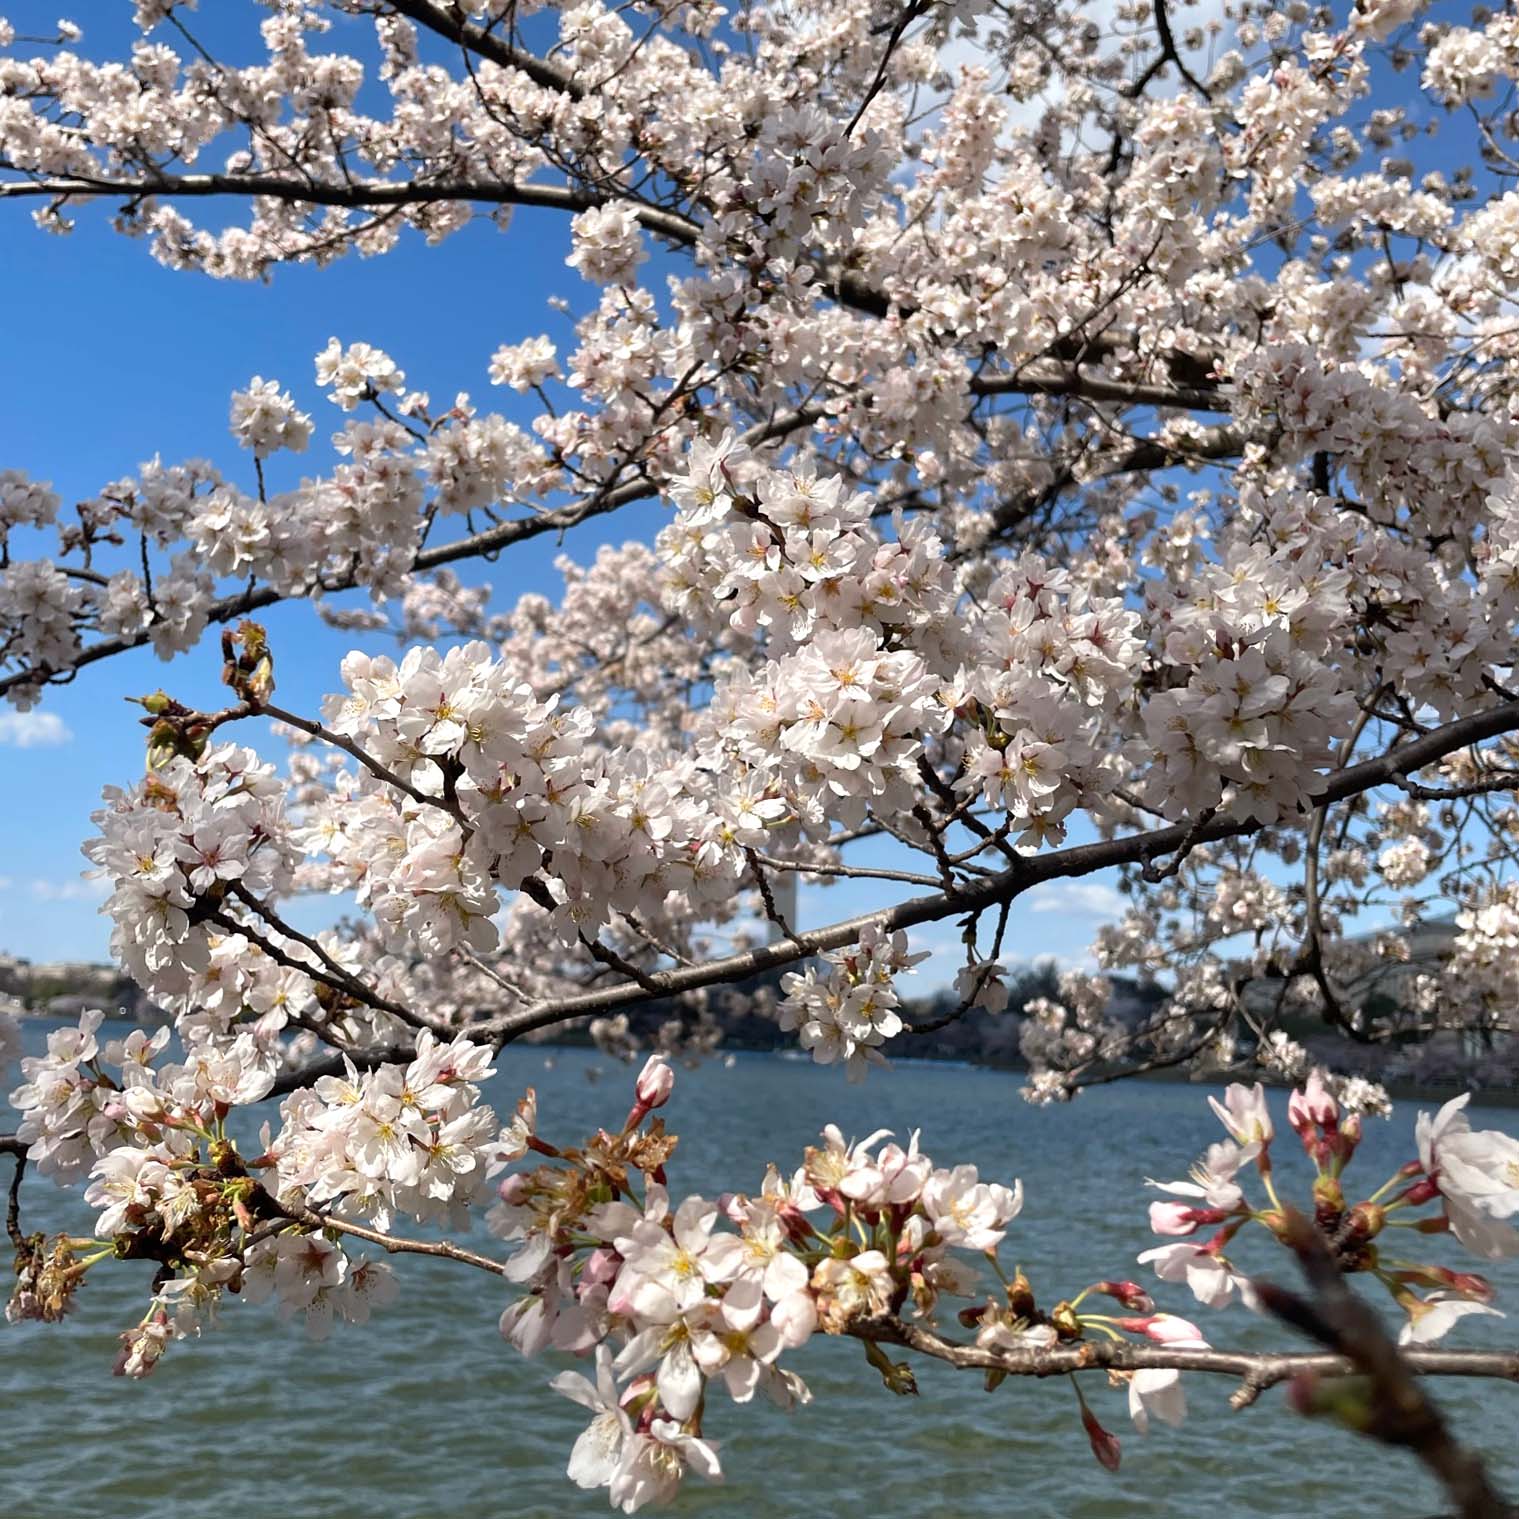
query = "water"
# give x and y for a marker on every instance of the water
(427, 1412)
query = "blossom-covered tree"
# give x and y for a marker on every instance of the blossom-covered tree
(1086, 446)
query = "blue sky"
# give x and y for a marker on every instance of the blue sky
(112, 359)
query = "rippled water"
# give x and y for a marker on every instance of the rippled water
(428, 1412)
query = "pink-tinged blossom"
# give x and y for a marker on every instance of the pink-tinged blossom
(968, 1213)
(1483, 1167)
(860, 1286)
(1178, 1218)
(1165, 1329)
(654, 1464)
(1313, 1103)
(1211, 1280)
(1474, 1222)
(735, 1352)
(142, 1348)
(1244, 1113)
(674, 1261)
(1212, 1178)
(756, 1263)
(666, 1341)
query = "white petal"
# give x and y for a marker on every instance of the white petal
(571, 1385)
(593, 1461)
(679, 1382)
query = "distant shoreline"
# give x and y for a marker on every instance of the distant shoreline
(1398, 1091)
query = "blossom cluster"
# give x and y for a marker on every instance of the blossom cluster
(848, 1011)
(409, 1139)
(1472, 1174)
(676, 1299)
(168, 1183)
(520, 797)
(194, 842)
(75, 1115)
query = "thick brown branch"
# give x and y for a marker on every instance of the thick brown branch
(1076, 380)
(448, 22)
(1396, 1410)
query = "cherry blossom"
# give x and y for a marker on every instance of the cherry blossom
(1091, 463)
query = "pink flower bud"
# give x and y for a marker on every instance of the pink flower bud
(1129, 1294)
(1345, 1142)
(512, 1188)
(601, 1265)
(655, 1083)
(652, 1090)
(1173, 1218)
(1467, 1283)
(1313, 1105)
(1168, 1329)
(1104, 1445)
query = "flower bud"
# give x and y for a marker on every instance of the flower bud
(1468, 1283)
(1163, 1329)
(512, 1189)
(1311, 1107)
(1130, 1295)
(1421, 1192)
(1367, 1221)
(640, 1395)
(1439, 1224)
(1104, 1445)
(1345, 1142)
(655, 1082)
(1172, 1218)
(652, 1090)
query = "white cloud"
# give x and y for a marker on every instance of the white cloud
(69, 891)
(1090, 899)
(33, 730)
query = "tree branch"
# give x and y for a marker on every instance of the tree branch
(1060, 864)
(392, 1244)
(1256, 1370)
